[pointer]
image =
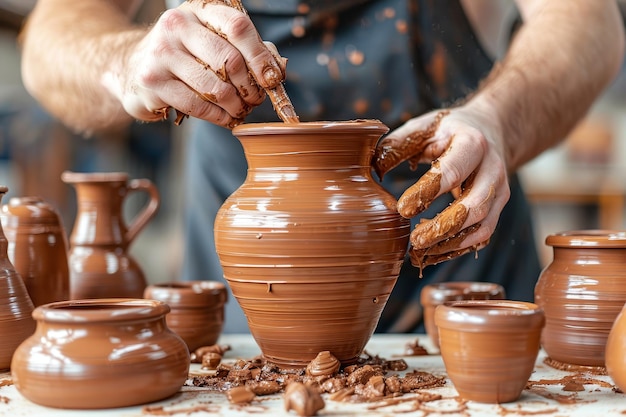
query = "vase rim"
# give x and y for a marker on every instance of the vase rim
(100, 310)
(197, 293)
(588, 238)
(310, 127)
(75, 177)
(489, 315)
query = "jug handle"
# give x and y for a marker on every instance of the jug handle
(142, 218)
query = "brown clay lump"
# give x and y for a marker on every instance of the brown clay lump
(240, 395)
(324, 365)
(304, 399)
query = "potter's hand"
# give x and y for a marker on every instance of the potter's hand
(467, 159)
(204, 59)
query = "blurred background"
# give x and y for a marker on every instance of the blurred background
(580, 184)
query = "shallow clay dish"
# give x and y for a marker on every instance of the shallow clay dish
(101, 353)
(489, 347)
(197, 309)
(433, 295)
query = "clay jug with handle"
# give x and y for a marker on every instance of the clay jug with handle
(99, 261)
(16, 307)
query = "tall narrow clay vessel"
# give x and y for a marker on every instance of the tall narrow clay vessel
(582, 291)
(310, 244)
(16, 307)
(100, 264)
(37, 248)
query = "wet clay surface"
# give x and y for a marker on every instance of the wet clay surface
(582, 292)
(308, 226)
(101, 353)
(489, 347)
(99, 262)
(549, 392)
(37, 248)
(16, 306)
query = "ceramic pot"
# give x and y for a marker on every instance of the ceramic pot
(101, 353)
(310, 244)
(433, 295)
(16, 307)
(489, 347)
(37, 248)
(615, 354)
(99, 261)
(582, 291)
(197, 309)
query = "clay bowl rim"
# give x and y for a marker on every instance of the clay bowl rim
(100, 310)
(197, 293)
(501, 316)
(588, 238)
(441, 292)
(254, 129)
(96, 177)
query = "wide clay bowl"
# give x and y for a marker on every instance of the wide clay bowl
(582, 291)
(489, 347)
(197, 309)
(436, 294)
(100, 353)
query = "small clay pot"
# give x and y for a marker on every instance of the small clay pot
(37, 248)
(197, 309)
(433, 295)
(489, 347)
(100, 353)
(582, 291)
(615, 354)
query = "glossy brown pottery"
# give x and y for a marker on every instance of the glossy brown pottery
(489, 347)
(582, 291)
(197, 309)
(16, 307)
(433, 295)
(37, 248)
(310, 244)
(102, 353)
(100, 264)
(615, 355)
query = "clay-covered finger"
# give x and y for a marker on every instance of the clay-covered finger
(422, 258)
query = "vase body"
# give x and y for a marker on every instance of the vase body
(197, 309)
(99, 262)
(16, 306)
(489, 347)
(436, 294)
(582, 291)
(310, 244)
(101, 353)
(37, 248)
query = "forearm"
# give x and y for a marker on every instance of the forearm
(63, 68)
(551, 75)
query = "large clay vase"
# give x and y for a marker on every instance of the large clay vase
(310, 244)
(37, 248)
(489, 347)
(100, 353)
(16, 307)
(99, 261)
(582, 291)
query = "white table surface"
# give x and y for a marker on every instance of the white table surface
(598, 399)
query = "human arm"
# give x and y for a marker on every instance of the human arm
(93, 69)
(563, 56)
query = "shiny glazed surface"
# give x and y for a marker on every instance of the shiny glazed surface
(310, 244)
(37, 248)
(99, 262)
(433, 295)
(197, 309)
(615, 354)
(100, 354)
(582, 291)
(489, 347)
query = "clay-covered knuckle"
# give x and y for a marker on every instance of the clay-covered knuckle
(420, 195)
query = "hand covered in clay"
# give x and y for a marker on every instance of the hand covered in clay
(467, 159)
(204, 59)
